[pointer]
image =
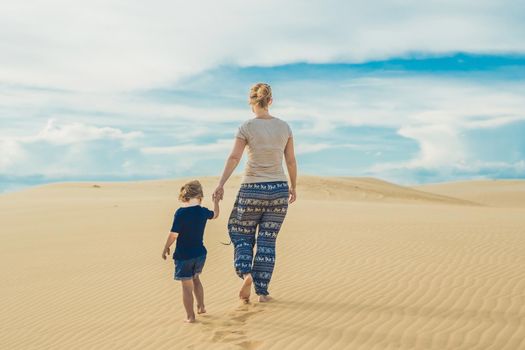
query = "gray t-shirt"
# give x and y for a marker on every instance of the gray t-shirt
(266, 140)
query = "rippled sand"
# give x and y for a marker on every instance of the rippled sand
(361, 264)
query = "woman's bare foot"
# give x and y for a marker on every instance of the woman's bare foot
(190, 320)
(246, 288)
(201, 309)
(265, 298)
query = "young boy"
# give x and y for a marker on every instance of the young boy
(190, 254)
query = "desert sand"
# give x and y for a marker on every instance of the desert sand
(361, 264)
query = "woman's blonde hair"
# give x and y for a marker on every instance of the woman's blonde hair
(260, 95)
(192, 189)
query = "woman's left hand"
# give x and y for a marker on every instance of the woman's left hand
(292, 195)
(218, 193)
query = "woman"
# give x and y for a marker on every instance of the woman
(264, 195)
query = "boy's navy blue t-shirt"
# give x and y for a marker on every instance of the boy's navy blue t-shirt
(189, 223)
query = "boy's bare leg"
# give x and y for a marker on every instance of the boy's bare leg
(198, 290)
(187, 299)
(246, 288)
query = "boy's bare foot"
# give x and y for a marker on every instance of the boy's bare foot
(265, 298)
(246, 288)
(201, 309)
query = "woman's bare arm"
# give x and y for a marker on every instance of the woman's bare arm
(231, 163)
(291, 164)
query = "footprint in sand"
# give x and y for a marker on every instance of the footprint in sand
(242, 317)
(249, 345)
(229, 327)
(227, 336)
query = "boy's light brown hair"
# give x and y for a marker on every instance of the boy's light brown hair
(192, 189)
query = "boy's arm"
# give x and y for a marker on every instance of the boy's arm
(216, 210)
(172, 237)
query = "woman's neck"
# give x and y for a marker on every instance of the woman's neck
(263, 116)
(261, 113)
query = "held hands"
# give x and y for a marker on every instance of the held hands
(165, 252)
(218, 194)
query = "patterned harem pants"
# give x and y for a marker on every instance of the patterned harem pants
(262, 204)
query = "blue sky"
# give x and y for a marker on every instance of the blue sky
(424, 92)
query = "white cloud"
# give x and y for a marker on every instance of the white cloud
(309, 147)
(60, 149)
(141, 136)
(86, 64)
(10, 153)
(439, 145)
(77, 132)
(220, 147)
(122, 45)
(402, 101)
(303, 148)
(407, 173)
(433, 111)
(375, 101)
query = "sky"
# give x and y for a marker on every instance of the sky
(406, 91)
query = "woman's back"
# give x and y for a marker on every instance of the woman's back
(266, 139)
(262, 201)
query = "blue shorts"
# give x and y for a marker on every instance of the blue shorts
(190, 268)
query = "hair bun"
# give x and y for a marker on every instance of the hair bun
(260, 94)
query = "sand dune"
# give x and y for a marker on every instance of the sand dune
(370, 189)
(361, 264)
(501, 193)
